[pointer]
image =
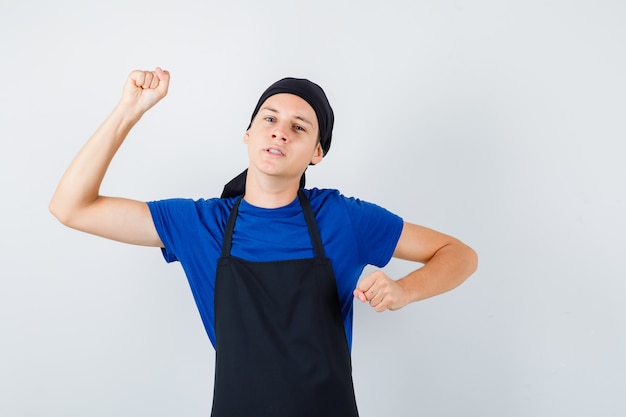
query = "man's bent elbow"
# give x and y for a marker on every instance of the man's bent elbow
(57, 212)
(471, 260)
(62, 212)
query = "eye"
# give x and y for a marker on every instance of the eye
(269, 119)
(300, 128)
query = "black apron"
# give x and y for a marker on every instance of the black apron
(281, 348)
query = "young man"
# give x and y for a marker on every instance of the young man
(273, 267)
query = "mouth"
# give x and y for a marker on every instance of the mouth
(274, 151)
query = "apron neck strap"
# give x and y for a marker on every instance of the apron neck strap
(312, 225)
(227, 242)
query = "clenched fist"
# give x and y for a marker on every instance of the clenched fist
(144, 89)
(382, 292)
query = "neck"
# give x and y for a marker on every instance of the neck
(270, 192)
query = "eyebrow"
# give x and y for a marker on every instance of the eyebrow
(297, 116)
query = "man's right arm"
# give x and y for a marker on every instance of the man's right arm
(77, 202)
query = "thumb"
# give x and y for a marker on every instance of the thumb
(360, 295)
(362, 286)
(163, 75)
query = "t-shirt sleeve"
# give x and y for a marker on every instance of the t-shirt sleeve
(174, 220)
(377, 231)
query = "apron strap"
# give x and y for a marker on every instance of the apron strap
(312, 225)
(309, 217)
(227, 242)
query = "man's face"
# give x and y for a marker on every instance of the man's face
(283, 137)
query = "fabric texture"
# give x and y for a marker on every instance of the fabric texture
(354, 234)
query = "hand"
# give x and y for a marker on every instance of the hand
(382, 292)
(144, 89)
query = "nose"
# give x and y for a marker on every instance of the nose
(280, 132)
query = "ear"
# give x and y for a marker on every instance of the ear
(318, 155)
(246, 137)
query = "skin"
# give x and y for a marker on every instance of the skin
(282, 141)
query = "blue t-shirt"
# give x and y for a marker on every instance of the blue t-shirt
(354, 234)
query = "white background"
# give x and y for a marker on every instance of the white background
(499, 122)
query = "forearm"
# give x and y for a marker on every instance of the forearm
(80, 185)
(447, 269)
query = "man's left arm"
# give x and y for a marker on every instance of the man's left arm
(447, 262)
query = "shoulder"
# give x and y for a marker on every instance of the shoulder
(321, 196)
(334, 199)
(326, 200)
